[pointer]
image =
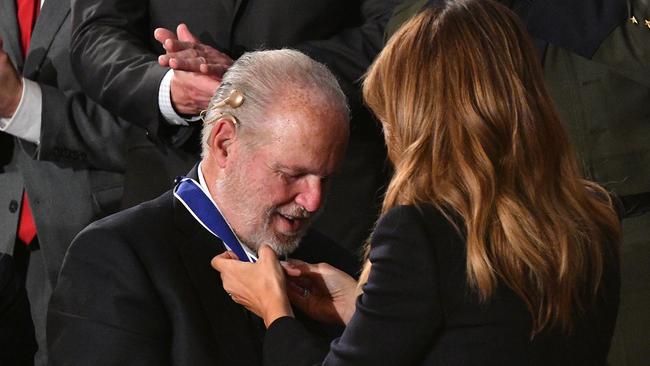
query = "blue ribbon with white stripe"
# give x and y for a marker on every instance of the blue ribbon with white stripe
(200, 205)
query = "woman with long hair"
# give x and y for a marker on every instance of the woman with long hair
(491, 248)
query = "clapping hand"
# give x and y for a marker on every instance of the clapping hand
(12, 86)
(185, 52)
(198, 69)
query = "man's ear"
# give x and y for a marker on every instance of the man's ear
(222, 136)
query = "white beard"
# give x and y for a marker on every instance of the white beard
(254, 219)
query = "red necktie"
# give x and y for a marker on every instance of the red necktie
(27, 11)
(26, 224)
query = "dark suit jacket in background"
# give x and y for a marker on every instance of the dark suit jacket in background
(115, 56)
(16, 331)
(417, 309)
(82, 177)
(137, 288)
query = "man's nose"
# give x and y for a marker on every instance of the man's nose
(311, 194)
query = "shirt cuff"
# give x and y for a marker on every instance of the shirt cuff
(26, 121)
(165, 102)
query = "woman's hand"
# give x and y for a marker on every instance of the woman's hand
(321, 291)
(260, 287)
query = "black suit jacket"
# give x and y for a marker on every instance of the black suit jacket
(16, 332)
(417, 309)
(137, 288)
(115, 56)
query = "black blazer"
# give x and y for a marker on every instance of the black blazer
(16, 331)
(417, 309)
(137, 288)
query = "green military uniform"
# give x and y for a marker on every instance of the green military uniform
(402, 12)
(605, 103)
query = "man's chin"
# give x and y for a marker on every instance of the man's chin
(281, 244)
(285, 244)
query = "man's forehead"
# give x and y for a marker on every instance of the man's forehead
(307, 116)
(303, 145)
(308, 124)
(307, 99)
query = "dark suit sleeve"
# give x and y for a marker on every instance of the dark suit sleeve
(113, 60)
(397, 315)
(104, 309)
(349, 53)
(76, 130)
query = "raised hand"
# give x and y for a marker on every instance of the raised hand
(191, 92)
(12, 86)
(185, 52)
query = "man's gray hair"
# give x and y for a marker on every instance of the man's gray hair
(263, 77)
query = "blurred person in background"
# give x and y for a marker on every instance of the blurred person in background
(61, 159)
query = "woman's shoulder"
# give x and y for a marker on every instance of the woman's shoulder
(417, 216)
(417, 224)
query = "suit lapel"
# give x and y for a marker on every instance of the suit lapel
(11, 36)
(231, 327)
(47, 25)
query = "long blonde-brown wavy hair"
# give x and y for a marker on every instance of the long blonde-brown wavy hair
(471, 129)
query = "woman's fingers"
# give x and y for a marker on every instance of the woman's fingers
(265, 253)
(305, 269)
(220, 260)
(290, 270)
(297, 293)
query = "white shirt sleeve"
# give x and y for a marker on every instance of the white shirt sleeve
(26, 121)
(165, 103)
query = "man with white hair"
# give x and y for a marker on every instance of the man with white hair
(137, 287)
